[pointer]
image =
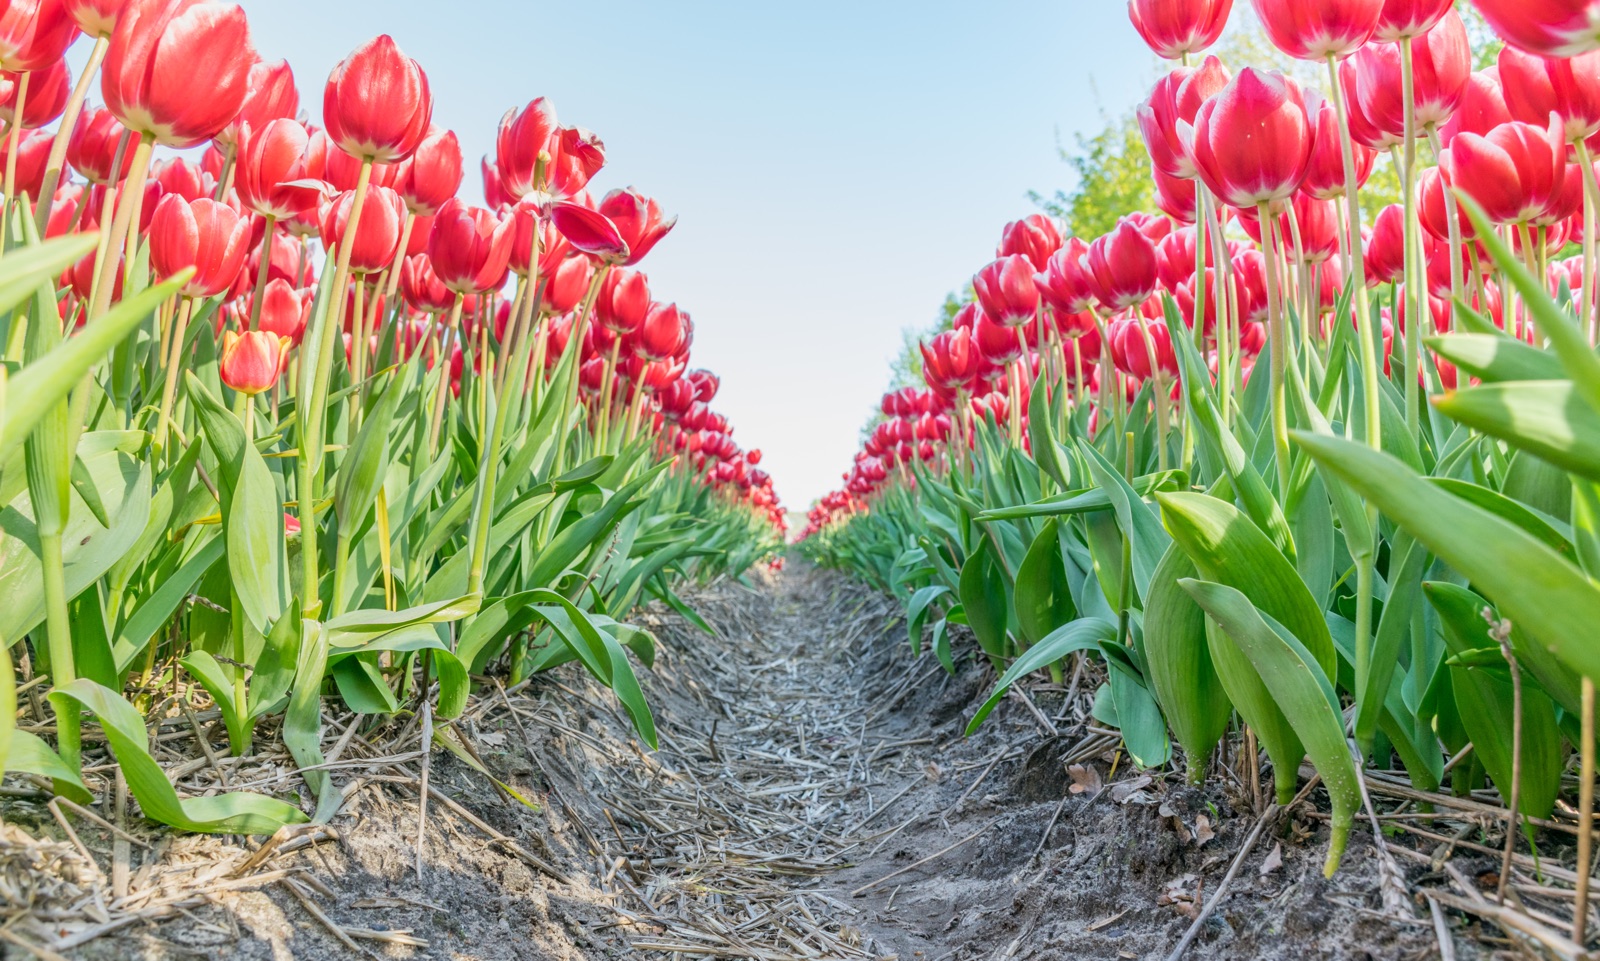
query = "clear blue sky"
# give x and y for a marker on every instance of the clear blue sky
(837, 166)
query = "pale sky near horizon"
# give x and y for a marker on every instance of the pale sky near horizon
(837, 167)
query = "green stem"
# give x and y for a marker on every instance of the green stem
(58, 627)
(1278, 347)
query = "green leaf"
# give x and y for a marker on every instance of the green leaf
(234, 813)
(1547, 418)
(1042, 595)
(1496, 357)
(1087, 500)
(917, 613)
(984, 598)
(1137, 521)
(1084, 634)
(366, 463)
(1294, 677)
(1178, 663)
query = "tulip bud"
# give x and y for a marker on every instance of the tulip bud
(378, 232)
(1006, 291)
(377, 104)
(209, 236)
(1123, 266)
(159, 50)
(623, 301)
(285, 311)
(1252, 141)
(469, 248)
(433, 174)
(251, 362)
(1176, 29)
(566, 287)
(270, 95)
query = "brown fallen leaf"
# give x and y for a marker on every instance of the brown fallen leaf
(1202, 831)
(1084, 779)
(1274, 860)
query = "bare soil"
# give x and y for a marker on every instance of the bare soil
(813, 796)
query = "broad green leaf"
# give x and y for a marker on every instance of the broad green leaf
(1496, 357)
(1084, 634)
(1042, 596)
(1178, 664)
(984, 599)
(1547, 418)
(1137, 521)
(917, 613)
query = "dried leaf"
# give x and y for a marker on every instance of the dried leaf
(1084, 779)
(1274, 860)
(1202, 831)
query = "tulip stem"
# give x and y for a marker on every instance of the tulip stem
(1458, 283)
(1580, 913)
(14, 136)
(406, 228)
(261, 271)
(45, 204)
(1589, 313)
(580, 328)
(436, 418)
(1358, 271)
(1416, 295)
(311, 407)
(132, 194)
(1278, 346)
(169, 392)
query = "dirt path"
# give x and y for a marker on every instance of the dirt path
(813, 797)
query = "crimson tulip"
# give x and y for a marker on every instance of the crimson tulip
(285, 311)
(1362, 130)
(577, 157)
(706, 384)
(1552, 28)
(1385, 248)
(92, 148)
(950, 361)
(494, 189)
(1536, 86)
(1403, 19)
(432, 174)
(1176, 197)
(1066, 283)
(1252, 141)
(1441, 67)
(33, 154)
(273, 175)
(590, 231)
(48, 89)
(1431, 208)
(566, 286)
(998, 343)
(377, 104)
(422, 288)
(251, 362)
(378, 231)
(1325, 173)
(1318, 29)
(34, 34)
(524, 136)
(1174, 101)
(1482, 107)
(469, 248)
(1034, 237)
(638, 221)
(1175, 258)
(209, 236)
(553, 245)
(1515, 172)
(286, 260)
(270, 95)
(157, 52)
(1176, 28)
(623, 301)
(1132, 348)
(1122, 264)
(342, 171)
(664, 333)
(1006, 291)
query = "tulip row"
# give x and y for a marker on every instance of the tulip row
(1100, 480)
(294, 428)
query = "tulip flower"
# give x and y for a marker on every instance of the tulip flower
(208, 236)
(433, 174)
(273, 175)
(1432, 209)
(1006, 291)
(285, 311)
(1362, 130)
(1551, 28)
(92, 148)
(566, 286)
(1132, 348)
(1034, 237)
(1482, 107)
(577, 157)
(1066, 283)
(97, 18)
(1176, 28)
(1252, 141)
(1385, 248)
(270, 95)
(377, 233)
(1318, 29)
(524, 136)
(159, 49)
(1123, 266)
(1176, 197)
(469, 248)
(1325, 173)
(1535, 86)
(422, 288)
(663, 334)
(623, 301)
(1514, 172)
(34, 34)
(706, 384)
(590, 231)
(1175, 101)
(251, 362)
(377, 104)
(638, 221)
(998, 343)
(48, 89)
(1441, 67)
(33, 154)
(950, 361)
(553, 245)
(494, 189)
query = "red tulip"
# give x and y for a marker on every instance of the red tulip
(1034, 237)
(494, 189)
(273, 174)
(638, 221)
(1066, 283)
(524, 136)
(1552, 28)
(251, 362)
(285, 311)
(577, 157)
(950, 361)
(1482, 107)
(343, 171)
(998, 343)
(421, 287)
(1175, 28)
(1250, 283)
(1132, 348)
(706, 384)
(1123, 265)
(1006, 291)
(553, 246)
(1409, 18)
(48, 89)
(1536, 86)
(286, 261)
(590, 231)
(1252, 141)
(33, 155)
(93, 146)
(567, 285)
(469, 248)
(209, 236)
(1318, 29)
(1325, 174)
(665, 332)
(1514, 173)
(377, 104)
(1385, 249)
(1176, 197)
(160, 49)
(378, 233)
(623, 301)
(1176, 100)
(1441, 67)
(178, 176)
(97, 18)
(1362, 130)
(1175, 257)
(271, 95)
(34, 33)
(433, 173)
(1431, 209)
